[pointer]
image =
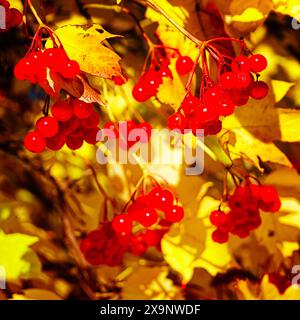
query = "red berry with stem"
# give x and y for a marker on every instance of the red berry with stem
(184, 65)
(81, 109)
(240, 63)
(219, 236)
(34, 142)
(213, 127)
(47, 126)
(70, 69)
(175, 214)
(177, 121)
(257, 63)
(239, 97)
(259, 90)
(62, 111)
(122, 224)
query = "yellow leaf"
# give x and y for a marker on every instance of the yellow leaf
(150, 283)
(183, 245)
(16, 257)
(172, 91)
(248, 15)
(289, 125)
(85, 45)
(280, 88)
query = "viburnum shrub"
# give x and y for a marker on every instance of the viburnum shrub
(72, 122)
(142, 224)
(244, 206)
(13, 17)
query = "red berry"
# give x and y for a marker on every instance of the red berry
(175, 214)
(240, 63)
(92, 121)
(228, 80)
(152, 237)
(81, 109)
(244, 80)
(177, 121)
(137, 246)
(56, 143)
(162, 199)
(212, 96)
(119, 80)
(26, 69)
(259, 90)
(90, 135)
(257, 63)
(141, 93)
(122, 224)
(70, 69)
(47, 126)
(34, 142)
(184, 65)
(16, 17)
(55, 59)
(269, 199)
(146, 217)
(74, 143)
(68, 127)
(225, 106)
(62, 111)
(147, 128)
(219, 236)
(212, 127)
(239, 97)
(190, 104)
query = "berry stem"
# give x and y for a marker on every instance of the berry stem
(157, 8)
(34, 12)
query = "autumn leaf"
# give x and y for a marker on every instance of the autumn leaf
(17, 259)
(85, 44)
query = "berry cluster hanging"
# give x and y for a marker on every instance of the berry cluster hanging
(141, 226)
(244, 211)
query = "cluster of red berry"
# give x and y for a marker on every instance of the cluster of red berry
(149, 82)
(233, 89)
(244, 214)
(141, 215)
(129, 132)
(71, 123)
(35, 64)
(12, 16)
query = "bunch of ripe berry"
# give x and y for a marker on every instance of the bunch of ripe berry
(244, 214)
(12, 16)
(150, 80)
(33, 67)
(234, 85)
(142, 226)
(129, 132)
(72, 122)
